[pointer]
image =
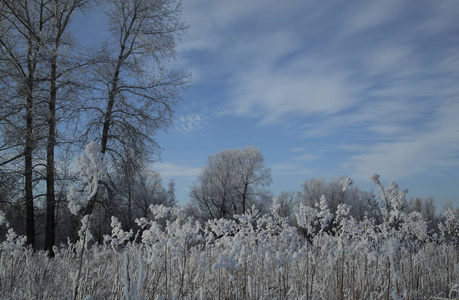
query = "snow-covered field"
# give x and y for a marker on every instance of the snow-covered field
(250, 257)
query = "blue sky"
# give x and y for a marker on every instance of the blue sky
(323, 88)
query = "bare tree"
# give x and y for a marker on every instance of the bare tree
(229, 182)
(250, 172)
(61, 13)
(130, 96)
(134, 93)
(43, 25)
(284, 204)
(138, 92)
(21, 25)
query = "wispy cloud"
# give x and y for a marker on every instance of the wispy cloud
(298, 149)
(297, 164)
(369, 15)
(190, 123)
(441, 16)
(297, 90)
(381, 75)
(435, 149)
(171, 170)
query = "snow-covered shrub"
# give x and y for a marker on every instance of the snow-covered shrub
(92, 166)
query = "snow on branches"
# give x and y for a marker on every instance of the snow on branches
(92, 166)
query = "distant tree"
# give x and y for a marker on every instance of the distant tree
(230, 183)
(361, 202)
(426, 207)
(284, 204)
(213, 195)
(313, 189)
(133, 188)
(170, 194)
(429, 209)
(151, 191)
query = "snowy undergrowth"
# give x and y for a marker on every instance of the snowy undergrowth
(249, 257)
(329, 255)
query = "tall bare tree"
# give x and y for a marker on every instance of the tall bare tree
(131, 92)
(136, 93)
(60, 13)
(21, 25)
(43, 25)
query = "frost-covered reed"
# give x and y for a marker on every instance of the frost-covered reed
(252, 256)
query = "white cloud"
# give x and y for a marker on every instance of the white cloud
(306, 157)
(442, 15)
(298, 149)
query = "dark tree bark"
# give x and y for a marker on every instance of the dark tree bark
(62, 13)
(28, 155)
(50, 225)
(20, 51)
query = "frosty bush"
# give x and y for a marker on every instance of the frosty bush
(92, 166)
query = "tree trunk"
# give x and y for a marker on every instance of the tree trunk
(107, 120)
(111, 101)
(50, 225)
(28, 149)
(29, 146)
(244, 198)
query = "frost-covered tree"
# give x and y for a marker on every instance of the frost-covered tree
(44, 79)
(230, 182)
(426, 207)
(136, 191)
(449, 226)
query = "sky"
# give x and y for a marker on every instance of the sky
(323, 89)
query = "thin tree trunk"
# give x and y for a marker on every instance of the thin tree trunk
(111, 101)
(50, 225)
(28, 188)
(107, 120)
(28, 151)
